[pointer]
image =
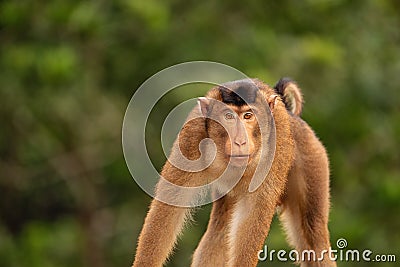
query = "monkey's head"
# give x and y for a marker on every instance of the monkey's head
(234, 112)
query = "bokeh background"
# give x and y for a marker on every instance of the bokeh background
(69, 68)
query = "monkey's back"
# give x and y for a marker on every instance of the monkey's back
(310, 168)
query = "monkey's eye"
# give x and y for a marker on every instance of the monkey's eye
(248, 116)
(229, 116)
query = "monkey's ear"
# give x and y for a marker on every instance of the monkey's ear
(203, 103)
(271, 101)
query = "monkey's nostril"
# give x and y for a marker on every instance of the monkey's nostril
(240, 142)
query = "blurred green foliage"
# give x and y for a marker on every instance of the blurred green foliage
(69, 68)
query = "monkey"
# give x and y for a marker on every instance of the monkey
(296, 184)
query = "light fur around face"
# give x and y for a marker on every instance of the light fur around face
(297, 182)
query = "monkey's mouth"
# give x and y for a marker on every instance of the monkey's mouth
(239, 160)
(239, 156)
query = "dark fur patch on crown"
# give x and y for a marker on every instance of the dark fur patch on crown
(238, 93)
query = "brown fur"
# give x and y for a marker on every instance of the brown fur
(298, 181)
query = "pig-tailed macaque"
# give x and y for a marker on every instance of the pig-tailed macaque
(253, 128)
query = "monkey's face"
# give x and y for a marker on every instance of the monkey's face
(235, 132)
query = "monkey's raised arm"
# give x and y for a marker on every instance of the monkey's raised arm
(164, 222)
(162, 225)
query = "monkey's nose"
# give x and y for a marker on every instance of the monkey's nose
(240, 142)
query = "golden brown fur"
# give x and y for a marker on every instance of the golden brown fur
(298, 182)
